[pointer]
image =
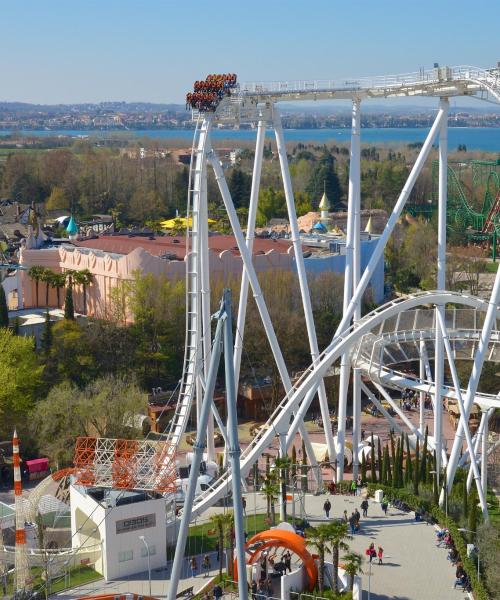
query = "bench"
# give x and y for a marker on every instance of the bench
(187, 593)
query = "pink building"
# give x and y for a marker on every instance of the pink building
(115, 258)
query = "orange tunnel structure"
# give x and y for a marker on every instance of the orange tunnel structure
(281, 538)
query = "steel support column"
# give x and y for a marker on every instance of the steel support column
(441, 284)
(302, 276)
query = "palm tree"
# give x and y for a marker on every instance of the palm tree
(270, 490)
(229, 535)
(36, 273)
(58, 282)
(318, 538)
(83, 278)
(338, 533)
(47, 277)
(352, 566)
(218, 520)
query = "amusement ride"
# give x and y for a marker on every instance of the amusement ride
(431, 329)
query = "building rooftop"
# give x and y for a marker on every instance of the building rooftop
(168, 245)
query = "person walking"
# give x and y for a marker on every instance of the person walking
(206, 564)
(354, 487)
(352, 523)
(371, 552)
(194, 566)
(327, 507)
(364, 507)
(345, 518)
(384, 507)
(380, 554)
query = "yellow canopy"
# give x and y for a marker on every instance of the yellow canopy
(180, 222)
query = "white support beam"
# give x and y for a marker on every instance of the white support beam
(456, 383)
(246, 257)
(482, 349)
(392, 422)
(441, 284)
(252, 214)
(302, 276)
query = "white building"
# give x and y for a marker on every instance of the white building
(117, 519)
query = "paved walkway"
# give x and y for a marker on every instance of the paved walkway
(414, 568)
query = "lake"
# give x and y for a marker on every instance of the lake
(475, 138)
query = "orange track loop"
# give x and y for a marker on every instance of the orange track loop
(280, 538)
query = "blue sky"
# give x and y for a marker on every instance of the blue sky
(55, 51)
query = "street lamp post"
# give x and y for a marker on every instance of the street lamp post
(463, 530)
(143, 540)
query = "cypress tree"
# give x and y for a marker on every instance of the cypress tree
(423, 472)
(46, 339)
(4, 309)
(15, 328)
(294, 462)
(465, 499)
(380, 461)
(416, 470)
(373, 473)
(363, 467)
(473, 516)
(69, 311)
(434, 482)
(409, 465)
(388, 474)
(395, 467)
(383, 472)
(400, 462)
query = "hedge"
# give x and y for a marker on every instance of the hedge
(415, 502)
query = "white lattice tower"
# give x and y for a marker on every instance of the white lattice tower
(22, 571)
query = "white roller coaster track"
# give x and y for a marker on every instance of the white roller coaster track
(310, 378)
(252, 103)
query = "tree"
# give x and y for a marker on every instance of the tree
(272, 204)
(4, 309)
(423, 470)
(352, 566)
(106, 407)
(473, 514)
(271, 491)
(293, 471)
(465, 499)
(324, 179)
(283, 465)
(69, 310)
(58, 282)
(380, 461)
(20, 379)
(373, 472)
(240, 184)
(409, 466)
(318, 538)
(46, 339)
(36, 273)
(219, 522)
(229, 536)
(57, 200)
(47, 277)
(386, 467)
(416, 469)
(337, 534)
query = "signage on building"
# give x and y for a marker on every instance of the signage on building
(135, 523)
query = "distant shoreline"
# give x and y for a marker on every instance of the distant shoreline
(485, 139)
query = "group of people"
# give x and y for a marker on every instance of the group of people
(461, 578)
(410, 400)
(208, 93)
(372, 553)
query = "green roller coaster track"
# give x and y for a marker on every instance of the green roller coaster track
(461, 215)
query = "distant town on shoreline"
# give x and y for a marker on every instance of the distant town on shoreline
(148, 116)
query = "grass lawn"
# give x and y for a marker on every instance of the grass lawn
(203, 538)
(491, 267)
(77, 576)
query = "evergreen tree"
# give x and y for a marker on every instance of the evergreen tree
(69, 311)
(363, 468)
(324, 178)
(46, 339)
(395, 467)
(435, 492)
(409, 466)
(15, 328)
(416, 469)
(423, 471)
(294, 462)
(4, 310)
(388, 474)
(383, 472)
(380, 461)
(373, 472)
(473, 515)
(240, 184)
(465, 499)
